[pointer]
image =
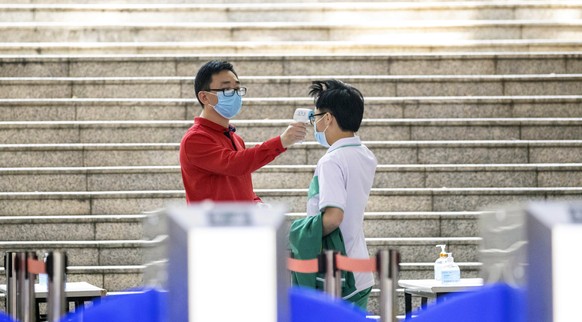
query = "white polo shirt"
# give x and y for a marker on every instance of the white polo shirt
(343, 179)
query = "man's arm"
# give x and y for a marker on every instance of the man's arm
(332, 218)
(206, 154)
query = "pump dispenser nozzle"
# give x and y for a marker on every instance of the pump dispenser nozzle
(443, 252)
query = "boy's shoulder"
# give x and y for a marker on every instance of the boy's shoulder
(349, 151)
(328, 157)
(338, 156)
(344, 156)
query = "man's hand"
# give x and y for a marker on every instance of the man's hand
(294, 133)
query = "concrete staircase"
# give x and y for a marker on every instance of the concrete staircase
(309, 26)
(468, 104)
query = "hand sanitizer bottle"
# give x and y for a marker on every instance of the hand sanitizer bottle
(450, 272)
(438, 264)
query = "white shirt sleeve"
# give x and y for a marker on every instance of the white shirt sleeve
(332, 185)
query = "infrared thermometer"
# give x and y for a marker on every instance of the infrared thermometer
(302, 115)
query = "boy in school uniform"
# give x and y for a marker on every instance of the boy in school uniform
(344, 176)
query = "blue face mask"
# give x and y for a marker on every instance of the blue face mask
(320, 136)
(228, 106)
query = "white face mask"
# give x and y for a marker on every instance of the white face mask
(320, 136)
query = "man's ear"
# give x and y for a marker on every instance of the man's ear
(203, 97)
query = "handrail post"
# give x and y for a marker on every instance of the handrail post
(394, 275)
(26, 305)
(56, 265)
(388, 270)
(329, 270)
(338, 277)
(11, 285)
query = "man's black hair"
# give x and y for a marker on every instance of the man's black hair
(204, 75)
(343, 101)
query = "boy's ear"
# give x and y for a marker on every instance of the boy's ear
(332, 119)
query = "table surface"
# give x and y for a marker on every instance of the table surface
(72, 289)
(434, 286)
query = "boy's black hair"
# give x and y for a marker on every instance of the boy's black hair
(343, 101)
(204, 75)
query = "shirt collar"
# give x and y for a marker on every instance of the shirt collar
(213, 126)
(351, 141)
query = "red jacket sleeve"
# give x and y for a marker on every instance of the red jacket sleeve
(205, 153)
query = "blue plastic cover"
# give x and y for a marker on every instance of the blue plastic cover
(492, 303)
(5, 318)
(308, 305)
(146, 306)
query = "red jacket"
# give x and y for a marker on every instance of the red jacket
(217, 166)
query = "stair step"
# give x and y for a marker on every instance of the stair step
(417, 224)
(464, 249)
(194, 1)
(459, 224)
(70, 109)
(131, 252)
(381, 199)
(112, 278)
(30, 132)
(307, 153)
(299, 12)
(294, 86)
(290, 176)
(295, 65)
(363, 47)
(124, 227)
(59, 228)
(87, 253)
(291, 31)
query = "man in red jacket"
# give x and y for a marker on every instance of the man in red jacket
(215, 163)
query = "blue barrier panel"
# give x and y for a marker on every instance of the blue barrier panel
(5, 318)
(308, 305)
(492, 303)
(147, 306)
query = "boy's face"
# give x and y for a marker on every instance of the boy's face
(318, 116)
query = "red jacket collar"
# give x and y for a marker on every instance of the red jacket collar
(213, 126)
